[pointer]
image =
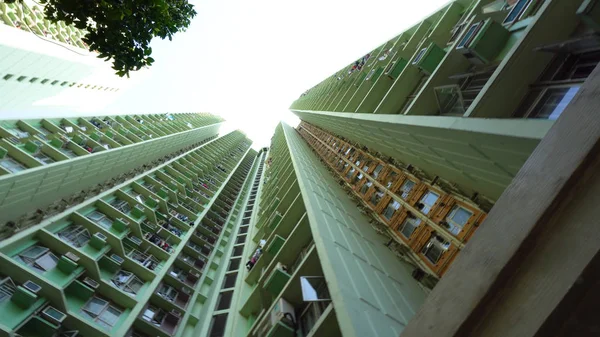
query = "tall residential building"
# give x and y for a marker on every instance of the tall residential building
(145, 257)
(465, 94)
(453, 107)
(340, 228)
(311, 263)
(47, 165)
(45, 66)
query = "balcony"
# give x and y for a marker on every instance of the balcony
(127, 282)
(143, 258)
(166, 321)
(87, 302)
(46, 262)
(196, 263)
(179, 297)
(18, 302)
(188, 278)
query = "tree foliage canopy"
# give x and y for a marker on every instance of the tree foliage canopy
(121, 30)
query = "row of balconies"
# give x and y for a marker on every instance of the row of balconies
(424, 215)
(442, 65)
(117, 246)
(31, 143)
(285, 255)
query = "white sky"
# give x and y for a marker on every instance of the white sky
(248, 60)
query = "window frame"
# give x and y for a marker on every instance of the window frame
(7, 289)
(453, 226)
(422, 201)
(538, 100)
(391, 204)
(434, 241)
(74, 231)
(97, 317)
(414, 222)
(126, 286)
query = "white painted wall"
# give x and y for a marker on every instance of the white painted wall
(26, 54)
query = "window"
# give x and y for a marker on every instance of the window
(419, 55)
(167, 292)
(469, 35)
(316, 294)
(350, 173)
(518, 10)
(229, 281)
(8, 77)
(217, 326)
(457, 219)
(310, 315)
(101, 312)
(43, 158)
(54, 82)
(376, 197)
(390, 209)
(356, 178)
(11, 165)
(365, 187)
(33, 79)
(234, 264)
(406, 187)
(428, 200)
(377, 170)
(127, 282)
(391, 179)
(121, 205)
(38, 258)
(75, 235)
(7, 289)
(64, 83)
(435, 248)
(100, 219)
(224, 300)
(237, 251)
(21, 78)
(408, 226)
(550, 103)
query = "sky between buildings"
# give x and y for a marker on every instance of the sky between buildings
(248, 60)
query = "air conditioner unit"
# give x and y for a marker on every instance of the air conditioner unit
(53, 315)
(116, 258)
(91, 283)
(282, 311)
(483, 41)
(71, 256)
(429, 58)
(32, 287)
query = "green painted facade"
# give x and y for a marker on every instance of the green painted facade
(310, 227)
(46, 160)
(144, 258)
(506, 66)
